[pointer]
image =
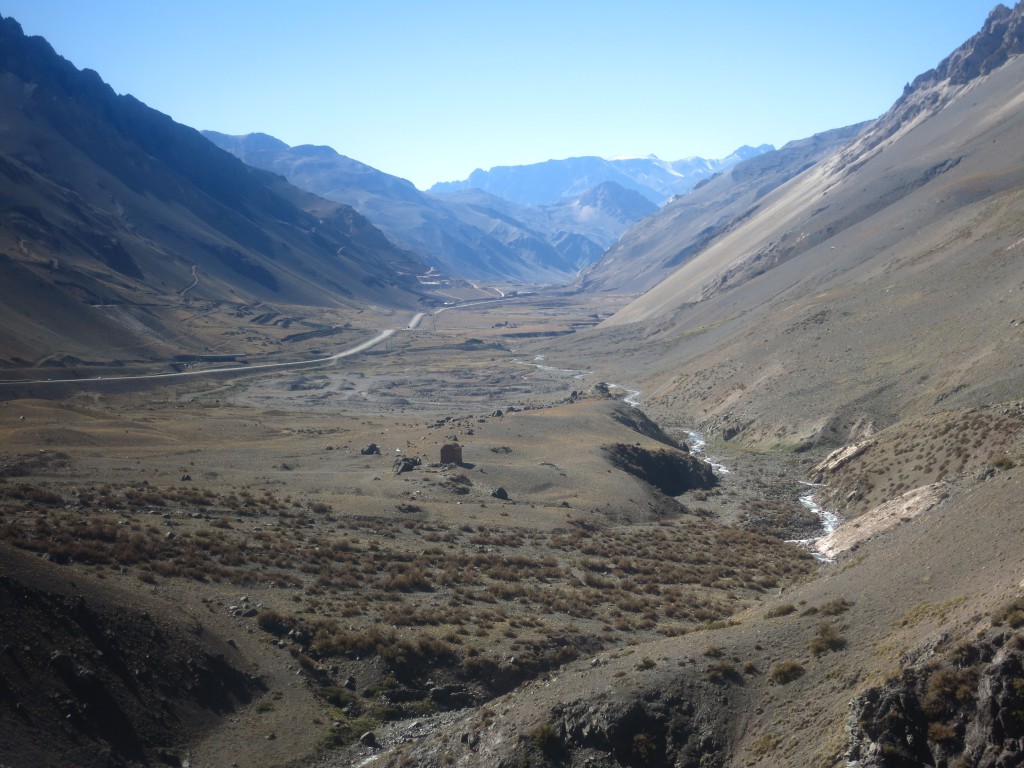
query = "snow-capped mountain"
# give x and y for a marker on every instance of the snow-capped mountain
(554, 180)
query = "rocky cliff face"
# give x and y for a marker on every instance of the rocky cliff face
(962, 705)
(1001, 37)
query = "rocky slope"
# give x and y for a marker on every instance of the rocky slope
(653, 248)
(90, 677)
(874, 286)
(107, 203)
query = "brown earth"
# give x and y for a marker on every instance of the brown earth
(422, 608)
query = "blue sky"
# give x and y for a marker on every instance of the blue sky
(432, 90)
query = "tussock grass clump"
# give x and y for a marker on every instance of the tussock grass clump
(1011, 614)
(826, 638)
(835, 607)
(786, 672)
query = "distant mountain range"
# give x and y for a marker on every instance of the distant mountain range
(555, 180)
(654, 247)
(471, 235)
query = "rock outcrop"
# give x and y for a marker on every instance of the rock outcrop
(1002, 36)
(670, 471)
(963, 705)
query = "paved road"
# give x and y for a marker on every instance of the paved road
(217, 371)
(412, 325)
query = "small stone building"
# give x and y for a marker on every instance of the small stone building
(451, 453)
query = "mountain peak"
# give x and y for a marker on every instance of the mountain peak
(556, 180)
(1000, 37)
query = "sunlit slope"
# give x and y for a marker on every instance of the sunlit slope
(884, 279)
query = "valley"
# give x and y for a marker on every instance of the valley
(619, 475)
(418, 603)
(194, 493)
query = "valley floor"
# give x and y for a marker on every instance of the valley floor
(463, 613)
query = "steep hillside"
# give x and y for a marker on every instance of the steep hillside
(114, 216)
(555, 180)
(476, 245)
(876, 285)
(653, 248)
(94, 675)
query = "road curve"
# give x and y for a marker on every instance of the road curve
(362, 347)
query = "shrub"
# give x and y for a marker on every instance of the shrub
(780, 610)
(545, 738)
(835, 607)
(948, 690)
(1004, 462)
(826, 639)
(1011, 613)
(941, 732)
(271, 621)
(785, 672)
(721, 670)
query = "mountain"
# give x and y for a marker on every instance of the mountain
(411, 218)
(114, 217)
(651, 249)
(555, 180)
(873, 286)
(869, 305)
(579, 228)
(462, 236)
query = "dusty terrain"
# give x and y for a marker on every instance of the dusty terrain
(245, 505)
(436, 611)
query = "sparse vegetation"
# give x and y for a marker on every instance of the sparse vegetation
(1011, 614)
(826, 638)
(785, 672)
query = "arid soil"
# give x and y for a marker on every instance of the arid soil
(228, 500)
(427, 616)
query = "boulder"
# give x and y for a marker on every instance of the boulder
(406, 464)
(369, 739)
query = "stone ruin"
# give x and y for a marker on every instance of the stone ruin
(451, 453)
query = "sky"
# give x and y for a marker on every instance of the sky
(432, 90)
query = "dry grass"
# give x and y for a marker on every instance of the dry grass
(481, 605)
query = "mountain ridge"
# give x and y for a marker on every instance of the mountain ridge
(461, 235)
(106, 202)
(550, 181)
(649, 250)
